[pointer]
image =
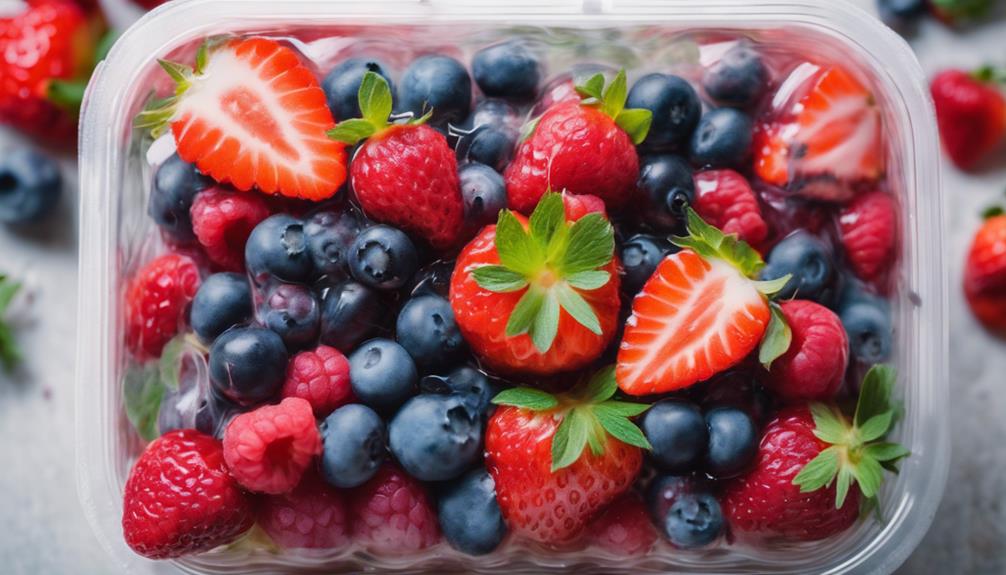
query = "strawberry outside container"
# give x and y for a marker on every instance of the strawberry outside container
(116, 236)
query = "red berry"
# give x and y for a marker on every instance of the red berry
(813, 367)
(985, 274)
(724, 199)
(869, 229)
(624, 528)
(157, 299)
(321, 376)
(579, 205)
(391, 514)
(312, 516)
(222, 221)
(268, 449)
(179, 498)
(971, 113)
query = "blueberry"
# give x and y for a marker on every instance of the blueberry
(248, 364)
(383, 258)
(440, 83)
(223, 301)
(382, 374)
(867, 321)
(677, 432)
(667, 189)
(427, 330)
(733, 441)
(342, 86)
(487, 145)
(497, 113)
(664, 491)
(508, 70)
(293, 312)
(694, 520)
(467, 382)
(353, 439)
(350, 313)
(436, 437)
(433, 279)
(469, 514)
(640, 256)
(737, 389)
(329, 235)
(809, 260)
(722, 139)
(675, 105)
(176, 184)
(739, 78)
(30, 186)
(277, 248)
(195, 407)
(901, 14)
(484, 195)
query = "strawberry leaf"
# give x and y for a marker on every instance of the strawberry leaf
(829, 425)
(818, 472)
(498, 279)
(771, 287)
(10, 352)
(351, 131)
(777, 339)
(619, 426)
(869, 476)
(548, 216)
(845, 478)
(876, 426)
(522, 318)
(636, 123)
(602, 385)
(709, 242)
(526, 398)
(577, 307)
(570, 439)
(180, 73)
(591, 244)
(67, 94)
(874, 394)
(886, 452)
(375, 99)
(625, 408)
(592, 87)
(615, 94)
(517, 250)
(546, 322)
(527, 130)
(589, 280)
(992, 211)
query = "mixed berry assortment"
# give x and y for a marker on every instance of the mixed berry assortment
(491, 309)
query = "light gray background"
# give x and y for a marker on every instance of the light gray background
(44, 530)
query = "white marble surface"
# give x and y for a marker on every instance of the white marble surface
(44, 528)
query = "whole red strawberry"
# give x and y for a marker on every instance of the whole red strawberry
(180, 499)
(624, 528)
(814, 464)
(985, 273)
(813, 367)
(537, 444)
(869, 231)
(405, 175)
(725, 200)
(581, 147)
(157, 299)
(46, 55)
(538, 296)
(971, 114)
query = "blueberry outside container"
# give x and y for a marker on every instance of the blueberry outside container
(115, 239)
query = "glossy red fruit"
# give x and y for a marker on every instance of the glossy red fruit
(320, 376)
(222, 221)
(312, 516)
(869, 231)
(392, 515)
(157, 299)
(624, 527)
(724, 199)
(765, 504)
(971, 113)
(813, 367)
(180, 499)
(985, 274)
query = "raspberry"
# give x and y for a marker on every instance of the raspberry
(179, 498)
(321, 377)
(579, 205)
(222, 221)
(312, 516)
(814, 365)
(391, 513)
(624, 528)
(724, 199)
(157, 299)
(267, 450)
(869, 231)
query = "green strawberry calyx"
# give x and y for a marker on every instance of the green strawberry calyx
(375, 107)
(588, 415)
(858, 452)
(711, 243)
(10, 352)
(553, 261)
(963, 9)
(611, 99)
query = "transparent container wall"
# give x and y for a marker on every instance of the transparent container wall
(116, 235)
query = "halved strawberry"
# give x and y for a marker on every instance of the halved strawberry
(699, 314)
(252, 115)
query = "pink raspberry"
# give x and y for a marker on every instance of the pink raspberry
(321, 376)
(392, 515)
(268, 449)
(813, 367)
(724, 199)
(624, 527)
(869, 227)
(312, 516)
(222, 221)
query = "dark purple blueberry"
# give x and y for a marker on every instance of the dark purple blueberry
(667, 188)
(293, 312)
(30, 186)
(676, 109)
(342, 86)
(436, 437)
(694, 520)
(382, 375)
(427, 330)
(329, 236)
(677, 431)
(277, 249)
(438, 83)
(223, 301)
(507, 70)
(733, 441)
(808, 260)
(176, 183)
(469, 514)
(467, 382)
(640, 256)
(354, 442)
(722, 139)
(739, 78)
(383, 258)
(484, 195)
(248, 364)
(350, 313)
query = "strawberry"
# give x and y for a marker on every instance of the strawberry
(827, 143)
(583, 147)
(700, 313)
(538, 296)
(405, 175)
(724, 199)
(971, 114)
(814, 465)
(252, 115)
(548, 484)
(46, 54)
(869, 232)
(985, 272)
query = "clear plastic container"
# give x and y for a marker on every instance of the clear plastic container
(115, 233)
